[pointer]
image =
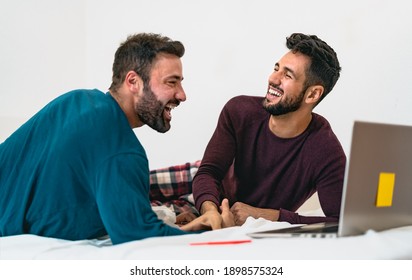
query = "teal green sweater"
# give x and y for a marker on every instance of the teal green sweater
(75, 171)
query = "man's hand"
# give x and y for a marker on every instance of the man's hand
(185, 217)
(228, 220)
(242, 211)
(211, 218)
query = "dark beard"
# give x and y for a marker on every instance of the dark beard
(284, 107)
(150, 111)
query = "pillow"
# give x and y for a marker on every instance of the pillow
(172, 187)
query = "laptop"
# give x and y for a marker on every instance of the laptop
(377, 191)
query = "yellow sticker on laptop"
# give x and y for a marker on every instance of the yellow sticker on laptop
(385, 189)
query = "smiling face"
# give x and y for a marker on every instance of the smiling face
(286, 89)
(163, 93)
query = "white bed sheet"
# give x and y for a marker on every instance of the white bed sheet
(387, 245)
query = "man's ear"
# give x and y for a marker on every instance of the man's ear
(133, 82)
(314, 94)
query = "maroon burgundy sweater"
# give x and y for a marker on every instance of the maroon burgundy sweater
(246, 162)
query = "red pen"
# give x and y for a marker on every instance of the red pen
(226, 242)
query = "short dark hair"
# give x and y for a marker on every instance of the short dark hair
(138, 53)
(324, 68)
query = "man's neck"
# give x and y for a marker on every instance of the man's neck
(290, 125)
(127, 109)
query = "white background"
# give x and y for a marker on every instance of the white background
(49, 47)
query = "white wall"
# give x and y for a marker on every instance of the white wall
(49, 47)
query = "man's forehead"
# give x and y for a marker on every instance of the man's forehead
(169, 66)
(294, 61)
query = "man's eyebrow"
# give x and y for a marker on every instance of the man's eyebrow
(289, 70)
(286, 69)
(176, 77)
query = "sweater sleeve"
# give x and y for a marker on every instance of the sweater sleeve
(217, 158)
(122, 197)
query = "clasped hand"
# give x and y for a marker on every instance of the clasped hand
(210, 219)
(234, 216)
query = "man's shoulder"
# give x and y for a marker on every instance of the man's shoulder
(246, 104)
(85, 109)
(244, 111)
(78, 98)
(246, 99)
(81, 94)
(320, 125)
(322, 134)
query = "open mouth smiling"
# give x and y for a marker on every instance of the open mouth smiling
(168, 110)
(275, 92)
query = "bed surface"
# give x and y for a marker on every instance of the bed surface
(389, 244)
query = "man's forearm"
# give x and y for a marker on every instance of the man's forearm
(208, 206)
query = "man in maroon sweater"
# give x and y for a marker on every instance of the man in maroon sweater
(269, 154)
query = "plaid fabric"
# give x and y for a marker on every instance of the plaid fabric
(172, 186)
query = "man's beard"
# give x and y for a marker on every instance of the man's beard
(284, 106)
(150, 111)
